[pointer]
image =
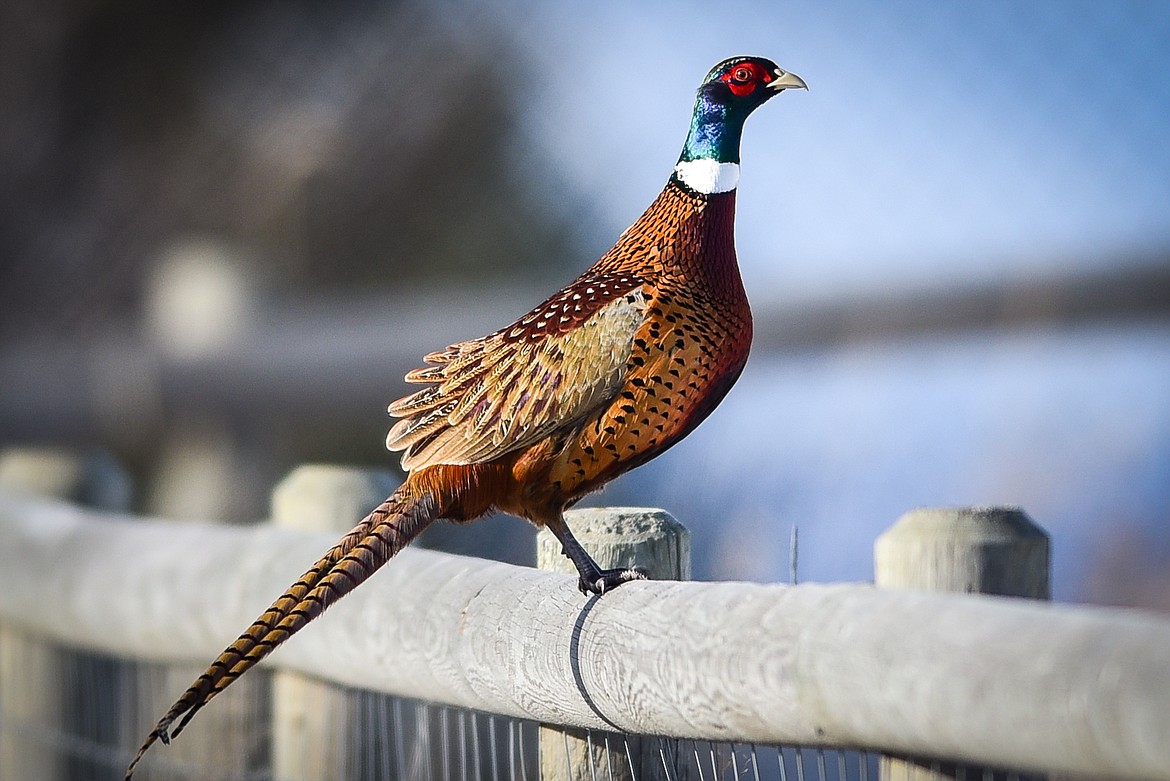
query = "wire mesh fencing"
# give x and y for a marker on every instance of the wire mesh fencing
(71, 714)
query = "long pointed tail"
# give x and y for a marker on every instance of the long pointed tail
(369, 545)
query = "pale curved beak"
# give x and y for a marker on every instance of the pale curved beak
(785, 80)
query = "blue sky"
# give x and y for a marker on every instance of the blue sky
(939, 142)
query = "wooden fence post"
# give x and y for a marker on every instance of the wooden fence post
(983, 550)
(615, 537)
(35, 695)
(313, 728)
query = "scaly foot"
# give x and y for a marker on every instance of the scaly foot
(602, 581)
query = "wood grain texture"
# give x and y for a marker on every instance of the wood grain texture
(616, 537)
(622, 537)
(978, 679)
(967, 550)
(314, 728)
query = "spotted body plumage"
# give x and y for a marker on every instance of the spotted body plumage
(602, 376)
(621, 363)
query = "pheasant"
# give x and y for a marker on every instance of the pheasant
(599, 378)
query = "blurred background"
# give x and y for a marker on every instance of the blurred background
(227, 230)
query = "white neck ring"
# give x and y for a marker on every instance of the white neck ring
(708, 176)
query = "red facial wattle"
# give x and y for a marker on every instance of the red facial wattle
(744, 77)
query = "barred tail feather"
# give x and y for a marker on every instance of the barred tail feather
(369, 545)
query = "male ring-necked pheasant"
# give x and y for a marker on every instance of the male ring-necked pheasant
(601, 377)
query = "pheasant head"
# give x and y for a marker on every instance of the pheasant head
(734, 88)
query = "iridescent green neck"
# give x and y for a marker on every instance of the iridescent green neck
(709, 163)
(716, 129)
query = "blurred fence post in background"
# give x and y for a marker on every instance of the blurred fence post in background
(34, 672)
(992, 550)
(615, 537)
(315, 724)
(236, 742)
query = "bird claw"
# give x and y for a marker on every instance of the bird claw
(609, 579)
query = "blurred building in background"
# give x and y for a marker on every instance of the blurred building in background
(226, 232)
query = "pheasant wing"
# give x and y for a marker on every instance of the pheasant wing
(503, 392)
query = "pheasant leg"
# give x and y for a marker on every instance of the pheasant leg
(593, 579)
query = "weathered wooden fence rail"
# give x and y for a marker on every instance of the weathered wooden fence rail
(997, 681)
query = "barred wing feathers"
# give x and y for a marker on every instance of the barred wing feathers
(506, 391)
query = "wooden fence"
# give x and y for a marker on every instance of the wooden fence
(961, 679)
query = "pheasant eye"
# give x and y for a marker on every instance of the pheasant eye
(742, 79)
